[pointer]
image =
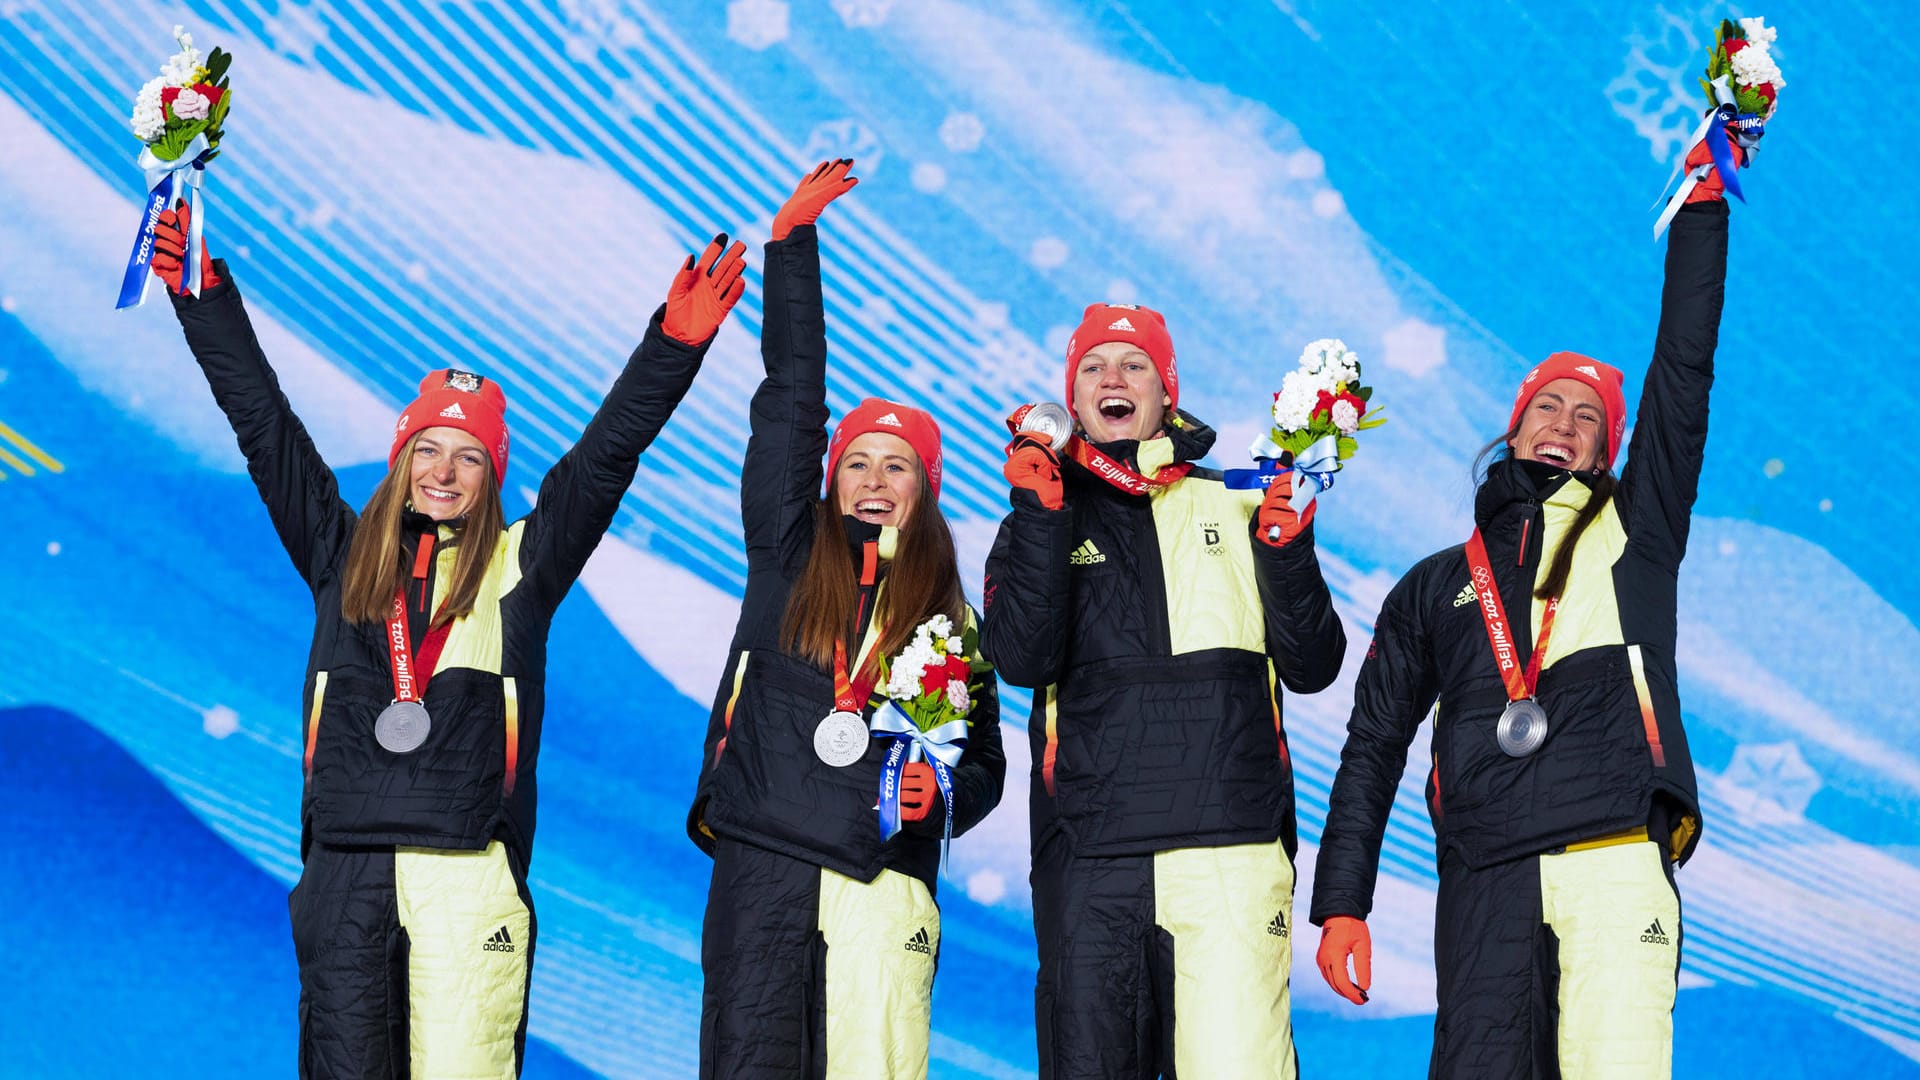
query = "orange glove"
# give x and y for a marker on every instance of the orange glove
(919, 791)
(170, 243)
(1343, 936)
(1032, 464)
(827, 182)
(1711, 188)
(1279, 525)
(699, 300)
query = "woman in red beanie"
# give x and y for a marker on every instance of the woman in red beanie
(821, 937)
(1562, 791)
(412, 921)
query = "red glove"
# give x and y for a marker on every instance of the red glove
(1278, 524)
(1343, 936)
(919, 791)
(1711, 188)
(1032, 464)
(699, 300)
(170, 243)
(827, 182)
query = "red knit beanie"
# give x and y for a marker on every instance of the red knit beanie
(878, 414)
(457, 399)
(1139, 326)
(1604, 378)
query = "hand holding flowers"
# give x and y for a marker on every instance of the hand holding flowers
(1320, 408)
(178, 115)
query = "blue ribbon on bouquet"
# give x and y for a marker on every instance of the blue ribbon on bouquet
(167, 182)
(1313, 469)
(1713, 131)
(940, 747)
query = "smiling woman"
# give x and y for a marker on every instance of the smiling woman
(423, 703)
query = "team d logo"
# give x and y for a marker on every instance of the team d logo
(1210, 536)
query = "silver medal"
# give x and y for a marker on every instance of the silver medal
(841, 739)
(402, 727)
(1523, 727)
(1050, 421)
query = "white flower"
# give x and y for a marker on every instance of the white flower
(1345, 417)
(1299, 393)
(954, 645)
(149, 122)
(940, 625)
(191, 105)
(1753, 65)
(957, 695)
(1758, 32)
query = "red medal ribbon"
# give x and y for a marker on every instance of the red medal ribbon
(1494, 613)
(409, 683)
(1119, 474)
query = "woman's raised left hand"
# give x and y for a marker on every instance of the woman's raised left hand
(704, 290)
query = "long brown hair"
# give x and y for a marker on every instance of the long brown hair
(376, 565)
(922, 581)
(1600, 482)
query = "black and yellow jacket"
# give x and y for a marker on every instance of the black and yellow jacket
(1156, 631)
(760, 781)
(473, 780)
(1616, 756)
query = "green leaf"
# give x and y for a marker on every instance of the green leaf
(171, 145)
(1364, 393)
(1347, 445)
(218, 64)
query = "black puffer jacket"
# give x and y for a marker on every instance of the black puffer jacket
(473, 780)
(1153, 629)
(1616, 756)
(760, 781)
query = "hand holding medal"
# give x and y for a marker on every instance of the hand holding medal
(1317, 412)
(1743, 86)
(178, 114)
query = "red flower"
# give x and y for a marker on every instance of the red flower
(1324, 406)
(168, 93)
(207, 90)
(1765, 90)
(1359, 407)
(1734, 45)
(957, 668)
(933, 680)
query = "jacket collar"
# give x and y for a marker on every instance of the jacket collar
(1511, 484)
(1185, 439)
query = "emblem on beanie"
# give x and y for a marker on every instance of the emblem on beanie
(890, 420)
(405, 419)
(1587, 370)
(1122, 323)
(452, 412)
(463, 380)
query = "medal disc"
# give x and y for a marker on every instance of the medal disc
(1523, 727)
(1051, 420)
(402, 727)
(841, 739)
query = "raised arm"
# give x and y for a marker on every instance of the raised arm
(582, 492)
(298, 488)
(781, 477)
(1305, 638)
(1662, 474)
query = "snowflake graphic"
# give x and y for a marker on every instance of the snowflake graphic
(757, 24)
(962, 132)
(297, 31)
(859, 13)
(845, 139)
(1658, 90)
(1769, 783)
(593, 25)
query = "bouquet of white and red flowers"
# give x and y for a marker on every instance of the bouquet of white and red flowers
(1743, 84)
(1320, 407)
(178, 114)
(929, 689)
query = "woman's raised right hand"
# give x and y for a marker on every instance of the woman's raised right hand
(827, 182)
(170, 243)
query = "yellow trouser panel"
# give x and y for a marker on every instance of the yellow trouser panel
(882, 938)
(1230, 911)
(1618, 922)
(467, 967)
